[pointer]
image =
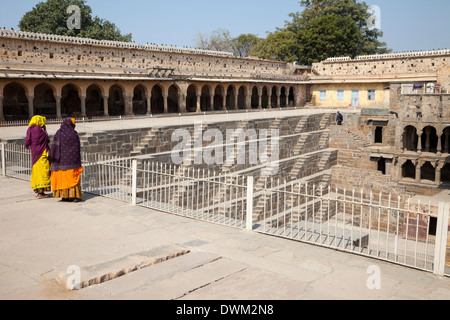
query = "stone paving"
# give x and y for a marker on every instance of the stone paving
(142, 254)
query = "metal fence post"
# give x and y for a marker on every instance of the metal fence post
(133, 182)
(441, 239)
(3, 160)
(249, 217)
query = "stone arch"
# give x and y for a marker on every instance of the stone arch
(139, 100)
(205, 99)
(445, 173)
(242, 97)
(157, 101)
(219, 96)
(44, 101)
(264, 97)
(231, 97)
(445, 140)
(173, 99)
(410, 138)
(70, 101)
(274, 97)
(429, 139)
(283, 97)
(15, 102)
(428, 172)
(255, 98)
(94, 101)
(191, 98)
(291, 97)
(116, 101)
(409, 170)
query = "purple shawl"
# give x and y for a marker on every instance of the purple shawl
(37, 141)
(65, 152)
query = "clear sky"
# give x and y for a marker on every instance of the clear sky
(407, 24)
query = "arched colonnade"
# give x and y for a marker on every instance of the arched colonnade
(20, 99)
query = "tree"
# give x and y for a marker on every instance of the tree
(219, 40)
(325, 28)
(243, 44)
(51, 17)
(328, 36)
(281, 45)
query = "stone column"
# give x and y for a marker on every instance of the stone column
(439, 167)
(269, 105)
(129, 105)
(105, 106)
(439, 143)
(248, 101)
(30, 106)
(166, 102)
(181, 103)
(83, 106)
(419, 142)
(224, 107)
(236, 101)
(259, 98)
(418, 171)
(199, 107)
(149, 104)
(211, 103)
(58, 107)
(2, 116)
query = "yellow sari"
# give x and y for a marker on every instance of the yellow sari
(40, 174)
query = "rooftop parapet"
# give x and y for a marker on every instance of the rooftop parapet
(107, 43)
(396, 55)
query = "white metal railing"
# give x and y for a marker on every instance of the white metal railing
(375, 225)
(424, 88)
(195, 193)
(380, 226)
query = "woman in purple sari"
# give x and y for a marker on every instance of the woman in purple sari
(65, 154)
(37, 141)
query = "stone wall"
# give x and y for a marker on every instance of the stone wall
(384, 65)
(55, 55)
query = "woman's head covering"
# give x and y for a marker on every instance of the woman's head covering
(38, 121)
(37, 139)
(65, 151)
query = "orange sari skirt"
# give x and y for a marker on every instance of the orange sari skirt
(67, 184)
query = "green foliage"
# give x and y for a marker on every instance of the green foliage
(325, 28)
(243, 44)
(51, 17)
(281, 45)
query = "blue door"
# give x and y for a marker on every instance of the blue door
(355, 98)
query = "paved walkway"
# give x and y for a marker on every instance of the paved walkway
(43, 243)
(171, 120)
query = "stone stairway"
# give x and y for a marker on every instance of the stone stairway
(324, 141)
(297, 168)
(326, 121)
(231, 159)
(301, 125)
(300, 144)
(144, 143)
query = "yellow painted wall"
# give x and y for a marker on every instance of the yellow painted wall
(381, 95)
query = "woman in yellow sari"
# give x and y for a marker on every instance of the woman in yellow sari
(37, 141)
